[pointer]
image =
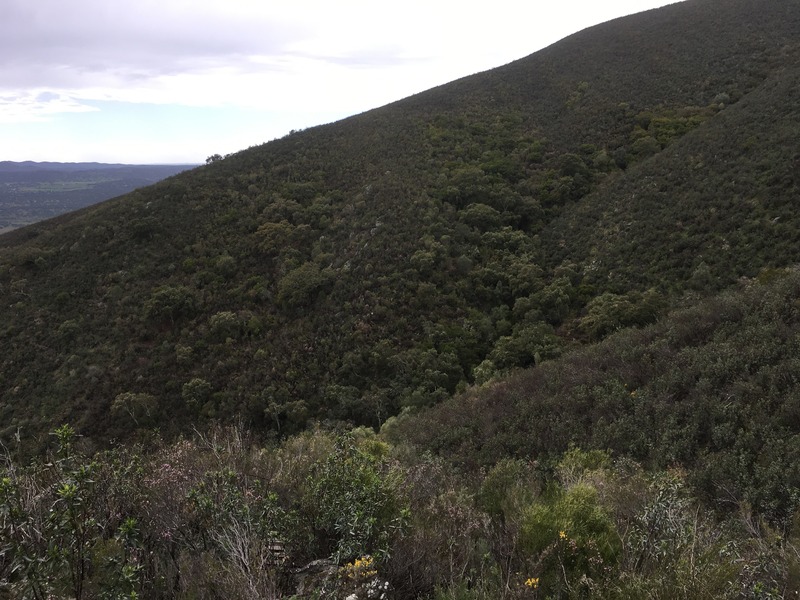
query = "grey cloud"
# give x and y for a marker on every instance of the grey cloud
(53, 43)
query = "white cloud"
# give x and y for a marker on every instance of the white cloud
(255, 54)
(37, 106)
(275, 53)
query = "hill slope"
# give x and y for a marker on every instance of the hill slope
(390, 259)
(712, 388)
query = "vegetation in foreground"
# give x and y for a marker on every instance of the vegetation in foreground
(325, 515)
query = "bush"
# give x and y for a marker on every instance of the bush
(224, 325)
(301, 286)
(169, 304)
(351, 503)
(571, 539)
(140, 407)
(196, 392)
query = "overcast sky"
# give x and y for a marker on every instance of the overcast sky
(174, 81)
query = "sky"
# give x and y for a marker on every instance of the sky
(175, 81)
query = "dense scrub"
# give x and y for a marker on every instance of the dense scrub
(335, 516)
(660, 462)
(711, 388)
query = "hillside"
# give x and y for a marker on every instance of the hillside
(711, 387)
(661, 462)
(530, 334)
(716, 205)
(387, 260)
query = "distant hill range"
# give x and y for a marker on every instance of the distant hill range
(34, 191)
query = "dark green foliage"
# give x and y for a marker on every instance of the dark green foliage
(352, 507)
(63, 527)
(711, 388)
(608, 312)
(300, 286)
(507, 488)
(169, 303)
(196, 392)
(574, 537)
(141, 408)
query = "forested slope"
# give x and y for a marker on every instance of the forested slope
(712, 388)
(385, 261)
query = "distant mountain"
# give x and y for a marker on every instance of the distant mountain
(390, 260)
(7, 166)
(33, 191)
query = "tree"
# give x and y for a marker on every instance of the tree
(140, 407)
(169, 303)
(300, 286)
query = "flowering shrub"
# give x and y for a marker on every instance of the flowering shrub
(532, 582)
(571, 538)
(361, 569)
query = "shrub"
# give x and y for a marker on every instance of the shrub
(170, 303)
(196, 392)
(506, 489)
(570, 538)
(300, 286)
(352, 504)
(224, 325)
(140, 407)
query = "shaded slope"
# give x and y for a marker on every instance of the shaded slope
(717, 204)
(712, 389)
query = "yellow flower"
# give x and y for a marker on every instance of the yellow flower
(360, 569)
(532, 582)
(562, 534)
